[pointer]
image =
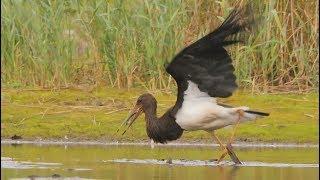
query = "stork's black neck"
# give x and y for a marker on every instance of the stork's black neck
(161, 129)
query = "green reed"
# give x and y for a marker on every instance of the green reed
(126, 43)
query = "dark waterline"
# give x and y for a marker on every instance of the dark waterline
(102, 162)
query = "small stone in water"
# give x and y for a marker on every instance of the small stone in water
(33, 176)
(56, 176)
(213, 160)
(53, 176)
(169, 161)
(15, 137)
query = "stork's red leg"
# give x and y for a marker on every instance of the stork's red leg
(240, 114)
(218, 141)
(223, 148)
(226, 150)
(233, 156)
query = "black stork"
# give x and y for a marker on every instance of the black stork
(203, 72)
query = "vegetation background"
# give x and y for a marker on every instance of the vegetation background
(126, 43)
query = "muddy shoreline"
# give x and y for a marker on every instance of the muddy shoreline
(177, 144)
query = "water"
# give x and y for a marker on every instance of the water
(165, 162)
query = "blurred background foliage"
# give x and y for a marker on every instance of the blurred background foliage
(126, 43)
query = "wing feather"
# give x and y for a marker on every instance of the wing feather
(206, 62)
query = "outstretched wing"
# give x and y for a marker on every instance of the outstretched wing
(206, 63)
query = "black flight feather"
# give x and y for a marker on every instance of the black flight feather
(207, 63)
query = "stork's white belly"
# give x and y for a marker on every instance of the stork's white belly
(202, 114)
(200, 111)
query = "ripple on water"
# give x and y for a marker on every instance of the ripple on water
(10, 163)
(182, 162)
(50, 178)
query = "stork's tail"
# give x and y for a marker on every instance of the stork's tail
(257, 113)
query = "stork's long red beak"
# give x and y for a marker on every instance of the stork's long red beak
(133, 115)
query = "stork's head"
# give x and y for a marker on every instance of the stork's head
(145, 103)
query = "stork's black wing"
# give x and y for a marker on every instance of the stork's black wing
(206, 62)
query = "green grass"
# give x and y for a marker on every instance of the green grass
(96, 114)
(125, 43)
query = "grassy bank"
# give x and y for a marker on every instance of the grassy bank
(125, 43)
(95, 115)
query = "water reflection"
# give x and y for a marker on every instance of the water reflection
(98, 162)
(232, 173)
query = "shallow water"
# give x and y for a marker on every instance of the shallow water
(162, 162)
